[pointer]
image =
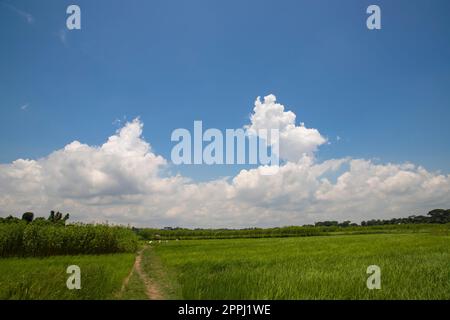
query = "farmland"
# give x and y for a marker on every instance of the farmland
(413, 266)
(45, 278)
(325, 262)
(35, 255)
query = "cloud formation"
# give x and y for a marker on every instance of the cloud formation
(124, 181)
(295, 141)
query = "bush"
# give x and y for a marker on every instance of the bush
(28, 216)
(43, 239)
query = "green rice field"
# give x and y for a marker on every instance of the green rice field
(413, 266)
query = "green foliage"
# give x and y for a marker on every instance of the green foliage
(11, 238)
(437, 216)
(293, 231)
(58, 217)
(9, 219)
(28, 216)
(434, 216)
(197, 234)
(413, 266)
(46, 239)
(45, 278)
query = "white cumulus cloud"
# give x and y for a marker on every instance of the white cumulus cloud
(124, 181)
(294, 140)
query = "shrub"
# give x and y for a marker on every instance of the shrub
(28, 216)
(44, 239)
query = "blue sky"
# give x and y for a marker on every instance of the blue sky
(386, 93)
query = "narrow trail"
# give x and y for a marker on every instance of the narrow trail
(152, 290)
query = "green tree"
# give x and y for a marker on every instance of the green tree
(28, 216)
(51, 217)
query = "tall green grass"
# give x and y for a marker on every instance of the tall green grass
(45, 278)
(413, 266)
(291, 231)
(22, 239)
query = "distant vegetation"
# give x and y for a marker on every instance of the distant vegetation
(412, 252)
(436, 216)
(51, 236)
(33, 237)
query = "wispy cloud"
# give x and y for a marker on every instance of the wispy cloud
(24, 107)
(28, 17)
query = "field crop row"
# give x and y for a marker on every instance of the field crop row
(22, 239)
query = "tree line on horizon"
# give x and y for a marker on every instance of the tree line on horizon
(54, 217)
(434, 216)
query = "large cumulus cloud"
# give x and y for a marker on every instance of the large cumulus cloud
(295, 141)
(124, 181)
